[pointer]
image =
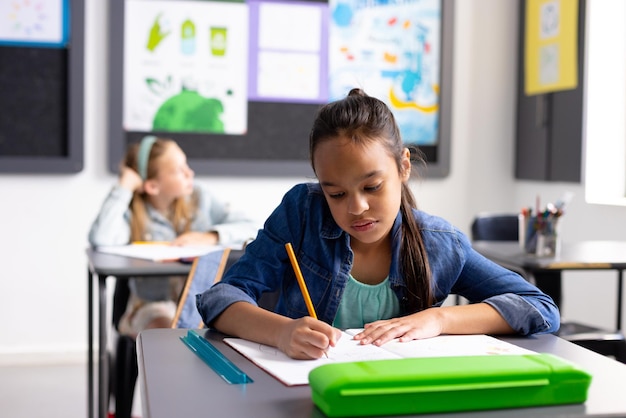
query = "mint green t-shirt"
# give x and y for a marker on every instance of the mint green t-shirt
(363, 303)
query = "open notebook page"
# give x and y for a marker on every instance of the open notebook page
(296, 372)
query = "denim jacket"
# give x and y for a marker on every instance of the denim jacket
(323, 252)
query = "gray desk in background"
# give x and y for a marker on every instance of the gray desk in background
(175, 382)
(101, 266)
(585, 255)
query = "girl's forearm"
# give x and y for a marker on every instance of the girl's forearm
(476, 318)
(244, 320)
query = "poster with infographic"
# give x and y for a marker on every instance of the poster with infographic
(185, 67)
(391, 49)
(34, 22)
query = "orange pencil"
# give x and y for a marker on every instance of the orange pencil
(301, 283)
(303, 288)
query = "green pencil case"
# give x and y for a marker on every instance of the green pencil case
(446, 384)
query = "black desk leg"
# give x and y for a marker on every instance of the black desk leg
(90, 392)
(620, 287)
(103, 363)
(549, 282)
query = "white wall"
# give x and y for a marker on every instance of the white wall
(45, 218)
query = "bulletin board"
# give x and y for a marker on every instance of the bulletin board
(41, 79)
(251, 58)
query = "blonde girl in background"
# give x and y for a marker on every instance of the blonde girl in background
(156, 199)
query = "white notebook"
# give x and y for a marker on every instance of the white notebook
(296, 372)
(159, 252)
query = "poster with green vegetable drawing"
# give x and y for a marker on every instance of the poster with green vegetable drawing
(185, 67)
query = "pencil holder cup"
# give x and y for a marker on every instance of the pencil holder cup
(541, 236)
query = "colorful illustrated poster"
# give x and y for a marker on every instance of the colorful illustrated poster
(34, 22)
(185, 67)
(550, 46)
(288, 56)
(392, 51)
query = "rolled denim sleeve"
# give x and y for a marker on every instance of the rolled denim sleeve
(459, 269)
(523, 316)
(523, 306)
(212, 302)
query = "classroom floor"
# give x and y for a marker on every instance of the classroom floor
(51, 391)
(44, 390)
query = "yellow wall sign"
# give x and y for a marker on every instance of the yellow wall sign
(550, 46)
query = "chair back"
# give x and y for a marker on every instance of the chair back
(495, 227)
(205, 271)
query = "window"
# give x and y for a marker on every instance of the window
(605, 104)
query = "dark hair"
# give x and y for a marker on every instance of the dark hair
(363, 119)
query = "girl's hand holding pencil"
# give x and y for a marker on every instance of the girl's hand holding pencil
(331, 334)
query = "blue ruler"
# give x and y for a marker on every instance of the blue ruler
(214, 359)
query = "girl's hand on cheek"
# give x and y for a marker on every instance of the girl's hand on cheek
(130, 179)
(424, 324)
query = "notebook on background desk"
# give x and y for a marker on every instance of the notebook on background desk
(162, 252)
(293, 372)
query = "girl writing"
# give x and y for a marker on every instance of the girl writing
(369, 258)
(156, 199)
